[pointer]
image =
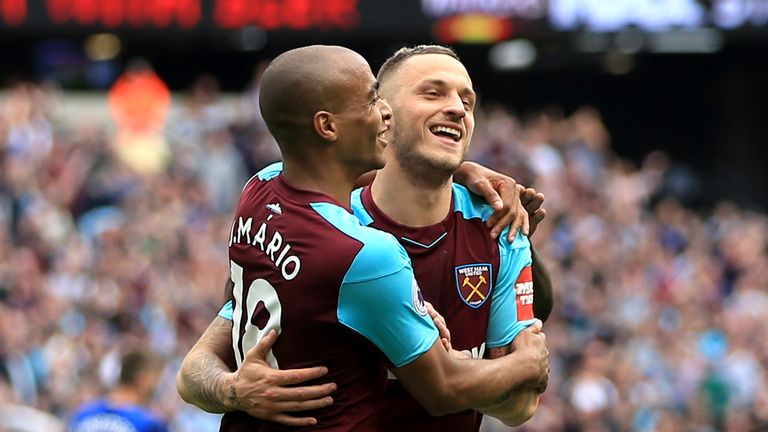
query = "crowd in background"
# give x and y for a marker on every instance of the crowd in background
(111, 239)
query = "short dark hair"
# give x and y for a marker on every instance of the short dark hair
(137, 361)
(400, 56)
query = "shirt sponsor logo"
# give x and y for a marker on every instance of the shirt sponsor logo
(474, 283)
(524, 292)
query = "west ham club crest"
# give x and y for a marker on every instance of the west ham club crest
(474, 282)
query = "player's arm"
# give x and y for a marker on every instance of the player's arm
(520, 405)
(543, 298)
(512, 306)
(387, 309)
(543, 294)
(202, 378)
(444, 384)
(205, 374)
(517, 409)
(206, 380)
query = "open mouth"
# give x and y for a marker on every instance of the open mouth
(381, 138)
(446, 131)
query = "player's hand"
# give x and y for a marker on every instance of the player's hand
(442, 327)
(268, 393)
(501, 192)
(533, 342)
(532, 201)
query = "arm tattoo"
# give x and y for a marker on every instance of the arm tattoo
(233, 392)
(203, 383)
(203, 372)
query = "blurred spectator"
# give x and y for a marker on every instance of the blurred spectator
(139, 101)
(660, 312)
(252, 137)
(27, 133)
(222, 170)
(200, 110)
(640, 339)
(17, 418)
(125, 408)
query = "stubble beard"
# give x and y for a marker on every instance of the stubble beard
(418, 167)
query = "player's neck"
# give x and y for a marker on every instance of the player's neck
(320, 177)
(409, 201)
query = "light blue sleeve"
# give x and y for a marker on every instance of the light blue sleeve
(503, 325)
(387, 310)
(270, 171)
(379, 297)
(227, 310)
(267, 173)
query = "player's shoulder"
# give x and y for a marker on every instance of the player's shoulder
(266, 174)
(469, 205)
(521, 241)
(380, 255)
(472, 206)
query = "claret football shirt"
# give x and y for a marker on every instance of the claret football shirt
(340, 294)
(482, 287)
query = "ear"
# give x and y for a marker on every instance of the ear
(325, 126)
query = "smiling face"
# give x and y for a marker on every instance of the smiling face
(433, 107)
(322, 101)
(364, 118)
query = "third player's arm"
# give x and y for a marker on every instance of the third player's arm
(543, 298)
(543, 294)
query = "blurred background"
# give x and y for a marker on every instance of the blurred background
(127, 128)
